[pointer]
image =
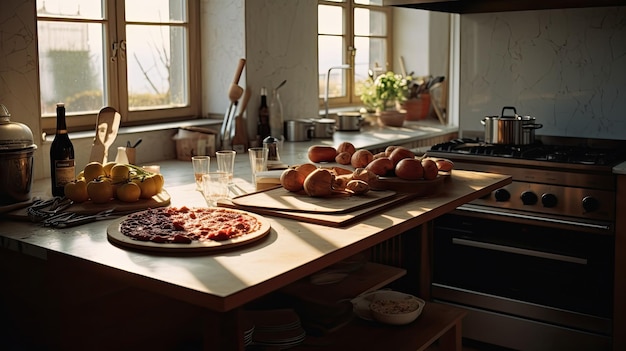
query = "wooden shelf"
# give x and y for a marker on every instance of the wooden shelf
(437, 321)
(371, 276)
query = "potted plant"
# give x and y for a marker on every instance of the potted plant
(385, 95)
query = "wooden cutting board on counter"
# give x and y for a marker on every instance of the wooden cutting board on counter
(87, 208)
(338, 219)
(283, 200)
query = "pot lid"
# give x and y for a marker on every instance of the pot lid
(14, 135)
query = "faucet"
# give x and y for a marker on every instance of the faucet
(344, 66)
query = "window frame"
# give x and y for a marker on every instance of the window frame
(348, 7)
(115, 77)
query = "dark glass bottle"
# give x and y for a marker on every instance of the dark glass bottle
(263, 124)
(62, 167)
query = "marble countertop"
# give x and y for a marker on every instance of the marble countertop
(221, 281)
(620, 168)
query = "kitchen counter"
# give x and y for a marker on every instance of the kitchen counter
(620, 168)
(221, 282)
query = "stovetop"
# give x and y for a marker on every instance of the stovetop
(571, 153)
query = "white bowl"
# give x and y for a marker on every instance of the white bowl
(393, 307)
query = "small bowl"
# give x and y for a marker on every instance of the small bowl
(393, 307)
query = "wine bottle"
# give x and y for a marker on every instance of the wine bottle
(62, 167)
(263, 124)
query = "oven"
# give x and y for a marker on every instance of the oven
(533, 261)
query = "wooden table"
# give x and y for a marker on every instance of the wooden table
(222, 282)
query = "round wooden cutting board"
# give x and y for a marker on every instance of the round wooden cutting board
(116, 237)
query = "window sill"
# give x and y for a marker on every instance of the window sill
(146, 128)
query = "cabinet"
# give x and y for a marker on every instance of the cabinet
(481, 6)
(619, 299)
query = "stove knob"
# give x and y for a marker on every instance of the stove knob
(502, 195)
(590, 203)
(529, 198)
(548, 200)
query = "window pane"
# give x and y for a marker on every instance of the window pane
(157, 66)
(370, 54)
(368, 22)
(330, 55)
(330, 20)
(91, 9)
(71, 66)
(159, 11)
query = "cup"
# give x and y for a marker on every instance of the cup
(200, 167)
(258, 161)
(214, 187)
(130, 155)
(226, 163)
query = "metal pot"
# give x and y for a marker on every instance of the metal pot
(349, 121)
(528, 129)
(299, 130)
(510, 130)
(16, 160)
(324, 128)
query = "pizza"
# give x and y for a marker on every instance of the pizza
(183, 225)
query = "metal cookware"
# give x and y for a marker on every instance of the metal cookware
(528, 129)
(299, 130)
(511, 130)
(16, 159)
(349, 121)
(324, 128)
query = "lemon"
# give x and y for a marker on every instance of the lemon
(77, 191)
(128, 192)
(100, 191)
(107, 168)
(120, 172)
(93, 170)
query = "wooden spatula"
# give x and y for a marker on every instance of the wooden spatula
(107, 125)
(240, 137)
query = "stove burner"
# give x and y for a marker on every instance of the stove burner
(576, 154)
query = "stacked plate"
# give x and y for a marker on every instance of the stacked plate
(280, 328)
(248, 331)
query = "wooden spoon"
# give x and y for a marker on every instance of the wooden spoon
(235, 91)
(107, 125)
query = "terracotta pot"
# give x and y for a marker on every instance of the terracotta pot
(417, 108)
(393, 118)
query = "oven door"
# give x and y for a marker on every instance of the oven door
(534, 269)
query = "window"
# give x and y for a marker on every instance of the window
(354, 33)
(135, 56)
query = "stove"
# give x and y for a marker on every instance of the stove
(533, 261)
(571, 178)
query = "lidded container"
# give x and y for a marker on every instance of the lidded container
(16, 159)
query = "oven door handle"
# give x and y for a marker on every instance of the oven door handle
(520, 251)
(534, 218)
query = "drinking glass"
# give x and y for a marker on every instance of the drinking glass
(214, 187)
(258, 161)
(200, 167)
(226, 163)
